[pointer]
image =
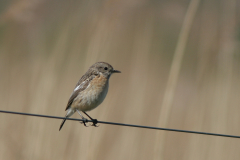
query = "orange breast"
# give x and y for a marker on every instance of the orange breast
(93, 95)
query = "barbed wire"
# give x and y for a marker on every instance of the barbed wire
(121, 124)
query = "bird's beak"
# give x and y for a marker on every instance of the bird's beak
(116, 71)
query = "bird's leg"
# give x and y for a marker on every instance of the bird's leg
(95, 121)
(84, 120)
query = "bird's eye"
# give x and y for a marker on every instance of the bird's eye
(105, 68)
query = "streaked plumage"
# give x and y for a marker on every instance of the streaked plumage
(90, 90)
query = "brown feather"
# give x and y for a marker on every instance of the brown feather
(84, 81)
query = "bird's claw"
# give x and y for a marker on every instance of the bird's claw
(84, 121)
(95, 121)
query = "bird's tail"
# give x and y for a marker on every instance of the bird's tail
(69, 113)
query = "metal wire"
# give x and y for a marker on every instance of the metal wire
(122, 124)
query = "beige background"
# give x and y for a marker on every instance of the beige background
(180, 69)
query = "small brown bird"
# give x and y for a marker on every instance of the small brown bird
(90, 91)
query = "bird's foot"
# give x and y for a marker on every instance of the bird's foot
(95, 121)
(84, 121)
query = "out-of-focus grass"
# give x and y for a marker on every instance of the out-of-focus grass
(45, 47)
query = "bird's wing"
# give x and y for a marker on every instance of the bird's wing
(81, 86)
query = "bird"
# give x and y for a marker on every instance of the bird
(90, 91)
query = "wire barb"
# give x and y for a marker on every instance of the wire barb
(122, 124)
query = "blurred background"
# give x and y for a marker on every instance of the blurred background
(180, 64)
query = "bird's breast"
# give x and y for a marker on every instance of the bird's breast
(94, 94)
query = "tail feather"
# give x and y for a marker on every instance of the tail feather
(69, 113)
(62, 124)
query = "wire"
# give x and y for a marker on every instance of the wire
(122, 124)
